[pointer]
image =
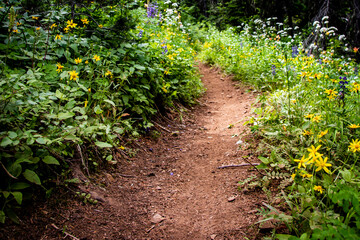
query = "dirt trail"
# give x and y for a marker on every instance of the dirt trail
(174, 176)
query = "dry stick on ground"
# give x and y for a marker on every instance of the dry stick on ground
(163, 128)
(67, 234)
(83, 160)
(238, 165)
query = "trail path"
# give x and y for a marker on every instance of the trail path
(174, 178)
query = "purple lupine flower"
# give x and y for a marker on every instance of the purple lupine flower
(295, 51)
(273, 68)
(164, 47)
(152, 10)
(140, 33)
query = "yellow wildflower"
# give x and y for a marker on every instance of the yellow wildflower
(71, 24)
(58, 37)
(73, 75)
(356, 87)
(35, 18)
(307, 133)
(78, 60)
(86, 62)
(309, 116)
(100, 26)
(16, 31)
(18, 23)
(316, 118)
(353, 126)
(96, 58)
(66, 30)
(53, 26)
(37, 29)
(302, 161)
(122, 147)
(355, 145)
(293, 176)
(313, 153)
(85, 103)
(109, 73)
(319, 189)
(59, 67)
(89, 90)
(355, 49)
(84, 21)
(323, 133)
(321, 164)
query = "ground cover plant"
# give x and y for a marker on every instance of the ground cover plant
(309, 119)
(79, 78)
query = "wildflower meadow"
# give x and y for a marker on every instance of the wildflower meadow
(307, 117)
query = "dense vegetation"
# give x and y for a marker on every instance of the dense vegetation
(79, 79)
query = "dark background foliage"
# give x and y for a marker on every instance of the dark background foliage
(344, 15)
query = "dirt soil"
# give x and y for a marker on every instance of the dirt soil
(172, 188)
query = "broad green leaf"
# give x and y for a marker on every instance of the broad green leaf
(98, 110)
(41, 140)
(18, 197)
(346, 174)
(19, 186)
(15, 169)
(6, 194)
(65, 115)
(2, 217)
(31, 176)
(109, 101)
(103, 144)
(60, 95)
(139, 67)
(11, 214)
(264, 160)
(12, 135)
(5, 142)
(50, 160)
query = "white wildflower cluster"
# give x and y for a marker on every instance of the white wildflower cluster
(172, 17)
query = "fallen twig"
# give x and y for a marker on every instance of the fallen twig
(163, 128)
(151, 228)
(238, 165)
(128, 176)
(67, 234)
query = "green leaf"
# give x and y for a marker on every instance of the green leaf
(65, 115)
(139, 67)
(12, 135)
(19, 186)
(10, 213)
(15, 169)
(109, 101)
(103, 144)
(2, 217)
(31, 176)
(18, 197)
(5, 142)
(346, 174)
(60, 95)
(41, 140)
(98, 110)
(50, 160)
(264, 160)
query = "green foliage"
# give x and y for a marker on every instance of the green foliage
(75, 80)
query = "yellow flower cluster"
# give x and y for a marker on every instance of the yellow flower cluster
(314, 157)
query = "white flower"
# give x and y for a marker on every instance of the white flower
(174, 4)
(342, 37)
(325, 18)
(315, 23)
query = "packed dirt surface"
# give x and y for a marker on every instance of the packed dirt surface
(172, 188)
